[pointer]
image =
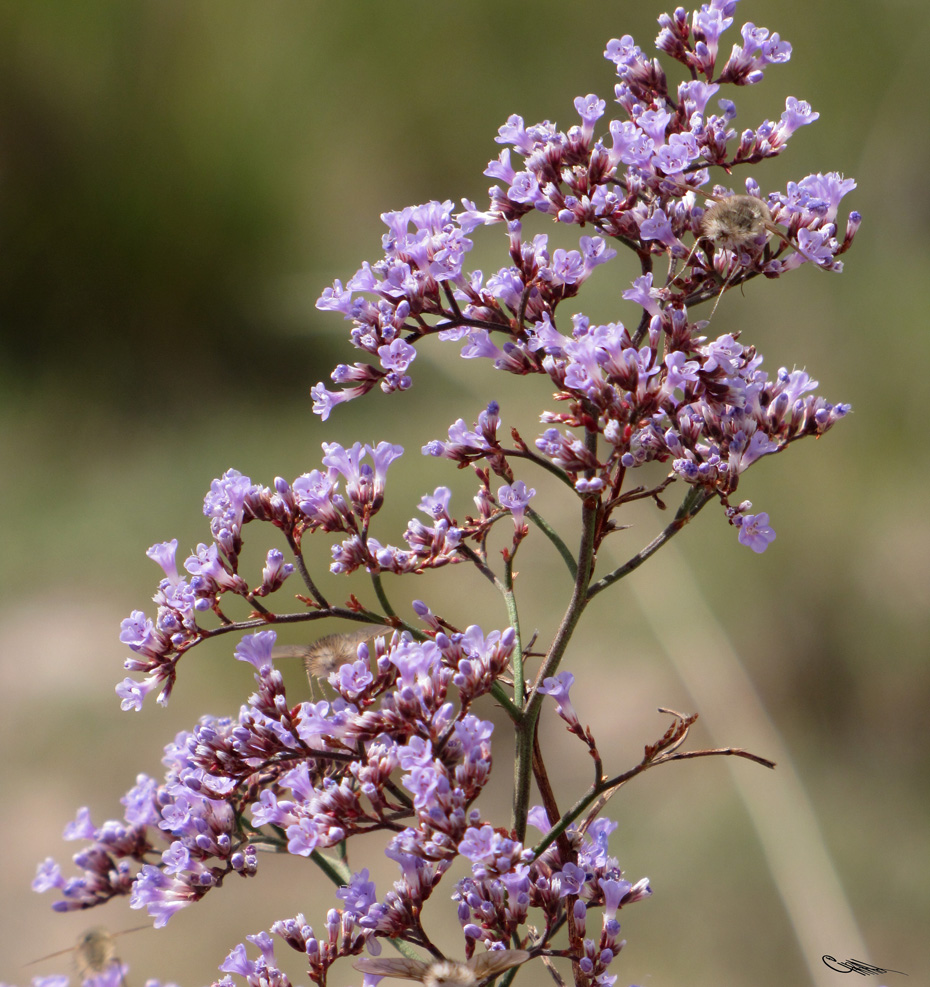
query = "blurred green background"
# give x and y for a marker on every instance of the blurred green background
(179, 182)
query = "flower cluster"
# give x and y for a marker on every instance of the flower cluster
(638, 188)
(397, 751)
(661, 390)
(313, 503)
(398, 744)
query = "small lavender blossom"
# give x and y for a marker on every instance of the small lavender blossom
(359, 895)
(515, 499)
(364, 485)
(164, 554)
(571, 879)
(256, 649)
(436, 505)
(275, 572)
(557, 687)
(755, 533)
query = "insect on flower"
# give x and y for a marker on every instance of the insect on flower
(327, 654)
(735, 223)
(94, 952)
(445, 973)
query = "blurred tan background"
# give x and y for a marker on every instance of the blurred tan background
(179, 182)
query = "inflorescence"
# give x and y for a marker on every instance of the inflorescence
(400, 746)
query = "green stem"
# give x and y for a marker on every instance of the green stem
(695, 499)
(553, 536)
(302, 569)
(544, 464)
(482, 567)
(575, 607)
(523, 771)
(507, 704)
(337, 871)
(606, 787)
(365, 616)
(513, 618)
(523, 753)
(406, 949)
(382, 596)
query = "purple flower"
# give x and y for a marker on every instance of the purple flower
(269, 810)
(655, 124)
(594, 853)
(642, 293)
(436, 505)
(48, 876)
(798, 113)
(359, 894)
(824, 192)
(176, 859)
(211, 572)
(681, 370)
(324, 401)
(82, 828)
(614, 892)
(364, 485)
(303, 837)
(590, 108)
(462, 444)
(140, 804)
(525, 190)
(709, 23)
(473, 736)
(630, 145)
(256, 648)
(354, 678)
(160, 894)
(558, 688)
(675, 156)
(819, 246)
(478, 844)
(225, 501)
(491, 853)
(316, 497)
(658, 227)
(163, 553)
(418, 753)
(595, 252)
(132, 693)
(397, 356)
(276, 570)
(537, 817)
(696, 95)
(140, 634)
(754, 531)
(515, 499)
(571, 879)
(397, 749)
